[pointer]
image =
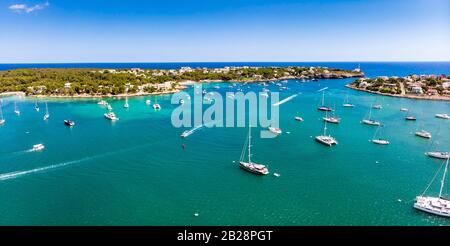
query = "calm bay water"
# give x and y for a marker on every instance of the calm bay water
(134, 171)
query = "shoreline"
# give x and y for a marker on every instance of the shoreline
(86, 96)
(432, 98)
(183, 86)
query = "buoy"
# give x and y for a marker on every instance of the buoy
(399, 200)
(196, 214)
(276, 174)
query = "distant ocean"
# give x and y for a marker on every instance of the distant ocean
(370, 68)
(135, 171)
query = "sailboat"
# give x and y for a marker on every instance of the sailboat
(325, 139)
(410, 117)
(2, 120)
(126, 103)
(16, 109)
(347, 104)
(379, 140)
(443, 116)
(156, 105)
(369, 120)
(439, 205)
(36, 106)
(249, 166)
(438, 154)
(323, 107)
(331, 119)
(47, 115)
(423, 134)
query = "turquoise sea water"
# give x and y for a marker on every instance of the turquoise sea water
(135, 172)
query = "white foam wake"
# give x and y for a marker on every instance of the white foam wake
(13, 175)
(284, 100)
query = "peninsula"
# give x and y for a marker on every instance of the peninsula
(431, 87)
(77, 82)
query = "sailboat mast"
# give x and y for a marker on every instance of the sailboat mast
(370, 112)
(443, 178)
(46, 108)
(323, 98)
(325, 125)
(249, 142)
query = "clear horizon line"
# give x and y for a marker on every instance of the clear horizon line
(168, 62)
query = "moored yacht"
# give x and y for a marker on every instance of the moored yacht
(36, 106)
(423, 134)
(380, 141)
(47, 115)
(250, 166)
(148, 102)
(438, 154)
(443, 116)
(439, 205)
(102, 103)
(369, 120)
(325, 139)
(322, 107)
(377, 106)
(111, 116)
(331, 119)
(126, 105)
(347, 104)
(404, 109)
(156, 106)
(298, 118)
(410, 117)
(16, 109)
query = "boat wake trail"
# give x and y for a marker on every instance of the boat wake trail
(285, 100)
(17, 174)
(322, 89)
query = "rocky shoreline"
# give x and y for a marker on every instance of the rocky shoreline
(435, 98)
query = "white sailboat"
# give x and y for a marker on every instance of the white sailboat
(439, 205)
(443, 116)
(423, 134)
(347, 104)
(332, 118)
(249, 166)
(2, 120)
(410, 117)
(156, 105)
(438, 154)
(36, 106)
(325, 139)
(126, 103)
(16, 109)
(377, 140)
(47, 115)
(322, 107)
(377, 106)
(369, 120)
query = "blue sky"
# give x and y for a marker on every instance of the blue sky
(223, 30)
